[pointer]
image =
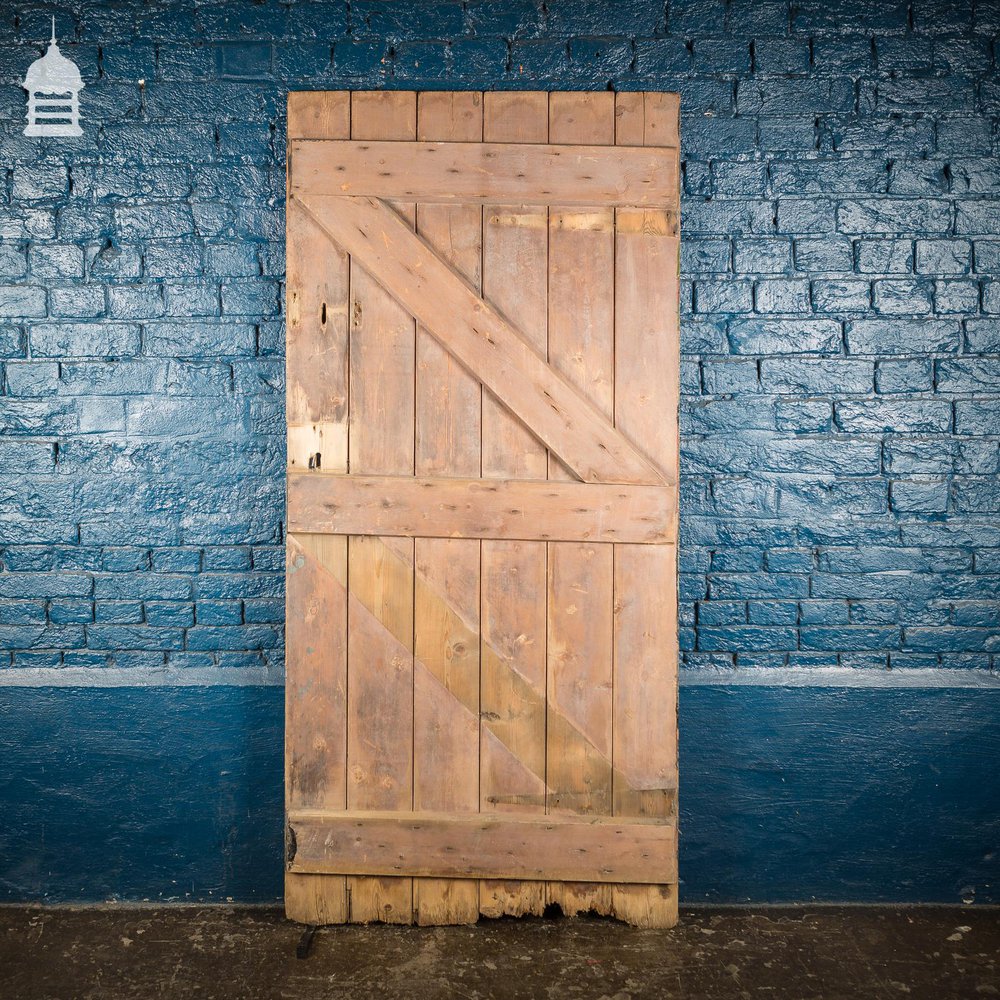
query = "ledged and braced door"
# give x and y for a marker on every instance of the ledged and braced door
(482, 465)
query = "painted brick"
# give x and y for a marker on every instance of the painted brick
(798, 218)
(592, 58)
(841, 296)
(709, 135)
(925, 178)
(772, 336)
(991, 296)
(885, 256)
(748, 638)
(781, 296)
(794, 96)
(169, 613)
(987, 256)
(848, 638)
(920, 216)
(269, 611)
(898, 135)
(762, 256)
(977, 218)
(84, 339)
(70, 612)
(816, 375)
(739, 179)
(957, 296)
(32, 379)
(77, 302)
(968, 375)
(773, 612)
(723, 296)
(950, 638)
(40, 183)
(817, 255)
(834, 175)
(978, 496)
(233, 637)
(834, 194)
(118, 613)
(983, 335)
(902, 336)
(22, 301)
(915, 375)
(192, 340)
(787, 133)
(55, 260)
(918, 495)
(910, 416)
(902, 297)
(114, 262)
(659, 56)
(730, 377)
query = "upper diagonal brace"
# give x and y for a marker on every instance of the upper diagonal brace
(482, 340)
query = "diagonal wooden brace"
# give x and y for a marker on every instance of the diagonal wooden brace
(482, 340)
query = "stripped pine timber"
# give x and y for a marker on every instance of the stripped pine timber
(380, 647)
(484, 845)
(514, 572)
(490, 172)
(316, 617)
(645, 655)
(448, 430)
(481, 508)
(474, 331)
(580, 602)
(503, 732)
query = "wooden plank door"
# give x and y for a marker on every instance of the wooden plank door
(482, 361)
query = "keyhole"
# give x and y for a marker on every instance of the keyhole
(322, 315)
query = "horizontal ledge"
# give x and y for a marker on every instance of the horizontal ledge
(484, 845)
(529, 510)
(487, 172)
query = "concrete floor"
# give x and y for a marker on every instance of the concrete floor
(219, 953)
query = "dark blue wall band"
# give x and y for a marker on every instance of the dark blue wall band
(787, 794)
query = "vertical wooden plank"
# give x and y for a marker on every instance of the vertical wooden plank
(513, 573)
(448, 429)
(316, 408)
(645, 641)
(380, 670)
(580, 576)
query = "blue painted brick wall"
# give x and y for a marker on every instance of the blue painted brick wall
(841, 300)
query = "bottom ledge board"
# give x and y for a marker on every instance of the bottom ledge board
(477, 845)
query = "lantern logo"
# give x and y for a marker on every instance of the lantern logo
(53, 84)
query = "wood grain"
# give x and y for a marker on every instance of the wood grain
(501, 355)
(380, 653)
(647, 360)
(316, 617)
(513, 574)
(581, 576)
(490, 172)
(481, 508)
(448, 431)
(453, 845)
